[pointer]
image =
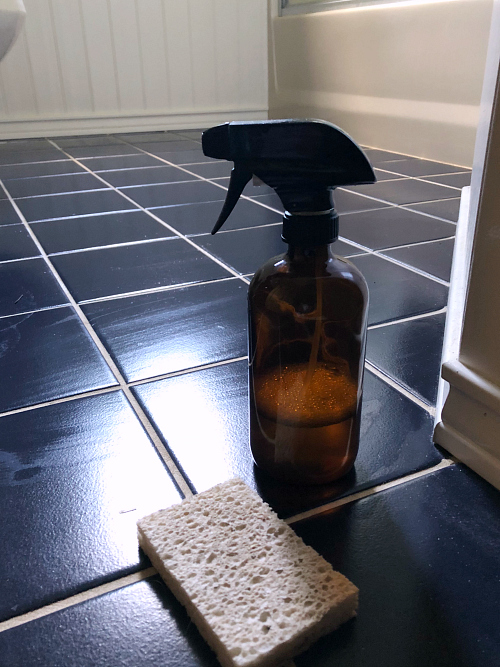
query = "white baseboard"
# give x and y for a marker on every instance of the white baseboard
(79, 125)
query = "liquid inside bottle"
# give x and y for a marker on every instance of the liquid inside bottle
(307, 333)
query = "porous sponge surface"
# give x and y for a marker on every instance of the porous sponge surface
(253, 580)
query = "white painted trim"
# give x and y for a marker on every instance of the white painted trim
(145, 122)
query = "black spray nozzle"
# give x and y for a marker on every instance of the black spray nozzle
(303, 160)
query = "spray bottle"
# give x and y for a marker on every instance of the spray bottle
(307, 307)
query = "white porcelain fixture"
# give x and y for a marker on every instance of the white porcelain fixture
(12, 15)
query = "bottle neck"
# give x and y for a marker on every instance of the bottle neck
(306, 255)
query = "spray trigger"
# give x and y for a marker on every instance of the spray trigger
(240, 176)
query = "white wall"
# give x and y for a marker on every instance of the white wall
(404, 76)
(83, 66)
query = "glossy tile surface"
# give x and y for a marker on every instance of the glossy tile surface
(77, 203)
(396, 435)
(397, 292)
(393, 226)
(170, 194)
(247, 249)
(410, 352)
(200, 218)
(212, 169)
(419, 167)
(157, 174)
(98, 230)
(8, 214)
(16, 243)
(24, 156)
(47, 355)
(95, 151)
(104, 272)
(424, 556)
(447, 208)
(183, 156)
(28, 285)
(51, 185)
(349, 202)
(34, 169)
(138, 626)
(170, 331)
(80, 473)
(456, 180)
(405, 191)
(434, 258)
(99, 164)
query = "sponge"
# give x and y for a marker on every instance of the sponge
(256, 592)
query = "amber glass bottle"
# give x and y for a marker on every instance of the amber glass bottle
(307, 330)
(307, 308)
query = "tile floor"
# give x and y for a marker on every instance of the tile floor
(123, 365)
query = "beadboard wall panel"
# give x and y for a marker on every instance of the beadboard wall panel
(89, 66)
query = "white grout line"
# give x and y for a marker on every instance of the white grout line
(399, 387)
(162, 222)
(65, 399)
(187, 371)
(77, 251)
(38, 310)
(411, 245)
(60, 194)
(328, 507)
(416, 157)
(77, 599)
(162, 451)
(407, 319)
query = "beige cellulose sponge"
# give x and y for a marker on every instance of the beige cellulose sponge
(256, 592)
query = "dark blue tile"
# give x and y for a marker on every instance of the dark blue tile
(47, 355)
(28, 285)
(16, 243)
(447, 208)
(434, 258)
(35, 169)
(425, 558)
(410, 352)
(172, 194)
(396, 292)
(164, 332)
(396, 435)
(393, 226)
(250, 190)
(96, 151)
(247, 249)
(383, 175)
(98, 164)
(377, 155)
(8, 214)
(212, 169)
(200, 218)
(418, 167)
(183, 157)
(271, 200)
(67, 205)
(168, 146)
(98, 230)
(141, 625)
(460, 180)
(93, 274)
(405, 191)
(75, 478)
(51, 185)
(350, 202)
(157, 174)
(22, 156)
(149, 137)
(95, 140)
(9, 145)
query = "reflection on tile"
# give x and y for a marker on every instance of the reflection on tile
(8, 146)
(76, 203)
(76, 476)
(173, 194)
(410, 352)
(120, 162)
(98, 230)
(158, 632)
(247, 249)
(22, 156)
(200, 218)
(95, 151)
(28, 285)
(447, 208)
(152, 334)
(157, 174)
(396, 435)
(419, 167)
(405, 191)
(48, 355)
(16, 243)
(396, 292)
(455, 180)
(421, 552)
(34, 169)
(95, 273)
(434, 258)
(8, 214)
(51, 185)
(393, 226)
